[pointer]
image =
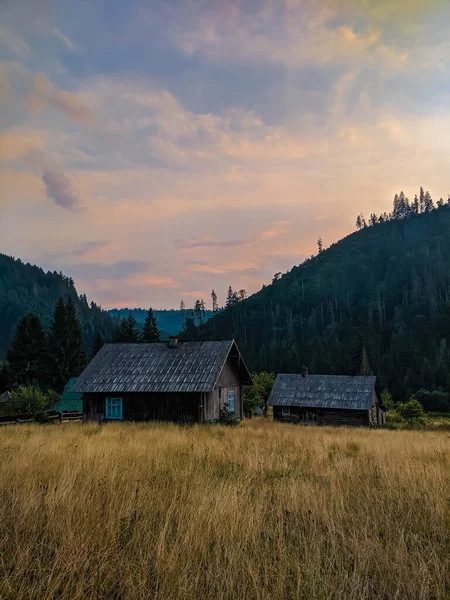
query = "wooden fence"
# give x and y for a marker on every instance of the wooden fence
(52, 417)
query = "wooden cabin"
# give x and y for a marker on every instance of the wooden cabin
(326, 400)
(185, 382)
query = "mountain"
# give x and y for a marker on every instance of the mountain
(25, 288)
(170, 322)
(377, 301)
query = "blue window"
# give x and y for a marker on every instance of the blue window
(230, 401)
(114, 408)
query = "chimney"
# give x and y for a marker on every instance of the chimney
(305, 371)
(173, 341)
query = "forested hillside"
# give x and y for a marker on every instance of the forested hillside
(377, 301)
(26, 288)
(170, 322)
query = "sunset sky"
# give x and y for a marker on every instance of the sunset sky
(155, 150)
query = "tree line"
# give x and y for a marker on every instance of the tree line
(47, 360)
(402, 208)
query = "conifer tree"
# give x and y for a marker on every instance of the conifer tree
(215, 306)
(230, 297)
(150, 332)
(76, 356)
(26, 354)
(97, 344)
(129, 333)
(66, 357)
(57, 363)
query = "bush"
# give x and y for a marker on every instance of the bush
(228, 418)
(411, 411)
(257, 395)
(386, 400)
(32, 401)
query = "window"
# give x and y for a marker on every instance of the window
(231, 401)
(113, 408)
(285, 410)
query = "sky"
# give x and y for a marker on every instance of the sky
(156, 150)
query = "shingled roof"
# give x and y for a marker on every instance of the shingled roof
(323, 391)
(188, 367)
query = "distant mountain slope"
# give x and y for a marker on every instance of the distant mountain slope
(170, 322)
(378, 298)
(25, 288)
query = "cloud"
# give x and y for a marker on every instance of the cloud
(65, 39)
(19, 141)
(208, 243)
(14, 42)
(292, 34)
(44, 94)
(87, 247)
(59, 189)
(276, 229)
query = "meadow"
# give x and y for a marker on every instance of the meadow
(261, 511)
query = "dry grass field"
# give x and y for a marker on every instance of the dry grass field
(263, 511)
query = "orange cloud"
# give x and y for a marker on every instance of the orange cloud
(44, 94)
(278, 227)
(18, 142)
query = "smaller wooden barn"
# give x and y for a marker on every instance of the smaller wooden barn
(326, 400)
(185, 382)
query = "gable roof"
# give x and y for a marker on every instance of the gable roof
(323, 391)
(189, 367)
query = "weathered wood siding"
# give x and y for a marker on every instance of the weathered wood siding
(180, 408)
(229, 381)
(323, 416)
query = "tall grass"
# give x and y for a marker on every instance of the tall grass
(263, 511)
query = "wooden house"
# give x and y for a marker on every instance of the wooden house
(326, 400)
(185, 382)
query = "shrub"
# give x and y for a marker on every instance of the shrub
(32, 401)
(386, 400)
(411, 411)
(228, 418)
(257, 395)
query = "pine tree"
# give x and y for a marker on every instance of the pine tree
(189, 328)
(415, 206)
(76, 357)
(230, 297)
(57, 361)
(215, 306)
(319, 246)
(97, 344)
(150, 332)
(421, 200)
(182, 306)
(66, 357)
(428, 202)
(26, 354)
(129, 333)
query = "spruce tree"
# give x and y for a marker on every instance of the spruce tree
(76, 357)
(26, 354)
(215, 306)
(129, 333)
(230, 297)
(150, 332)
(57, 362)
(97, 344)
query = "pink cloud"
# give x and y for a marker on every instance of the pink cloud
(45, 94)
